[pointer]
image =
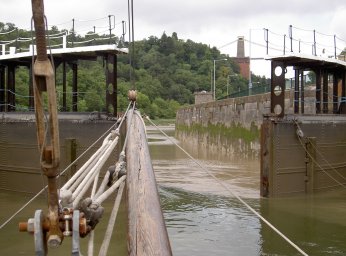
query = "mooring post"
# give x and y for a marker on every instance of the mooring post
(310, 145)
(71, 154)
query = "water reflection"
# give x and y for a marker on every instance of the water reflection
(204, 219)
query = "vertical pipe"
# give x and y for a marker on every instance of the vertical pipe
(285, 44)
(302, 83)
(318, 73)
(335, 93)
(296, 91)
(267, 41)
(110, 28)
(73, 32)
(123, 35)
(315, 43)
(342, 109)
(64, 108)
(325, 92)
(74, 87)
(291, 37)
(335, 47)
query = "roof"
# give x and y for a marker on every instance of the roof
(310, 61)
(85, 52)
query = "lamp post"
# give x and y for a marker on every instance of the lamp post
(215, 60)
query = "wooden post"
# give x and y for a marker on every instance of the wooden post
(71, 155)
(310, 165)
(266, 186)
(147, 234)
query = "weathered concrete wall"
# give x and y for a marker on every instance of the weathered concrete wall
(19, 154)
(231, 126)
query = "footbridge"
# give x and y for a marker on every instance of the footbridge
(66, 54)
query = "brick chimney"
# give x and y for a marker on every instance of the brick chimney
(240, 47)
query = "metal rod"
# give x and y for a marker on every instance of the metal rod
(315, 43)
(291, 37)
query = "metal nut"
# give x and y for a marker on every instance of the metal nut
(54, 241)
(31, 225)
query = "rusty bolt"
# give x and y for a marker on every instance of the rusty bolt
(54, 241)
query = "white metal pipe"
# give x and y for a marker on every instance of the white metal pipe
(110, 191)
(81, 170)
(90, 175)
(78, 195)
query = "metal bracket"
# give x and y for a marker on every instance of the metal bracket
(40, 243)
(75, 234)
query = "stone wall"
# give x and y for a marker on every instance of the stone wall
(232, 125)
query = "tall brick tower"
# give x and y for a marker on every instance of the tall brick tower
(240, 47)
(241, 60)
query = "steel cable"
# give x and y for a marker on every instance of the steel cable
(232, 193)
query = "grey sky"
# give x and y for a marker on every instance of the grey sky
(214, 22)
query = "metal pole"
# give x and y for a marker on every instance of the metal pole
(291, 37)
(284, 44)
(110, 28)
(335, 46)
(315, 43)
(72, 32)
(250, 42)
(266, 39)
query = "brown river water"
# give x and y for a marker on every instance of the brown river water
(202, 217)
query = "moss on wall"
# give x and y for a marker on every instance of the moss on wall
(234, 132)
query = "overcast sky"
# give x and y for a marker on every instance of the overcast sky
(213, 22)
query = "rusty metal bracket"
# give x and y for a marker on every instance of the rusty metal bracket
(44, 81)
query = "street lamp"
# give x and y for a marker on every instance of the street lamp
(214, 73)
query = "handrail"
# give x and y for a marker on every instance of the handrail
(147, 233)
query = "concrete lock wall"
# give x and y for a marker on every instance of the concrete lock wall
(19, 154)
(244, 128)
(231, 126)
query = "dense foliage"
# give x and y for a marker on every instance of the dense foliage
(166, 72)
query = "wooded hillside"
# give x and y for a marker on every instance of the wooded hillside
(167, 71)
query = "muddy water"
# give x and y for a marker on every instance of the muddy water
(203, 218)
